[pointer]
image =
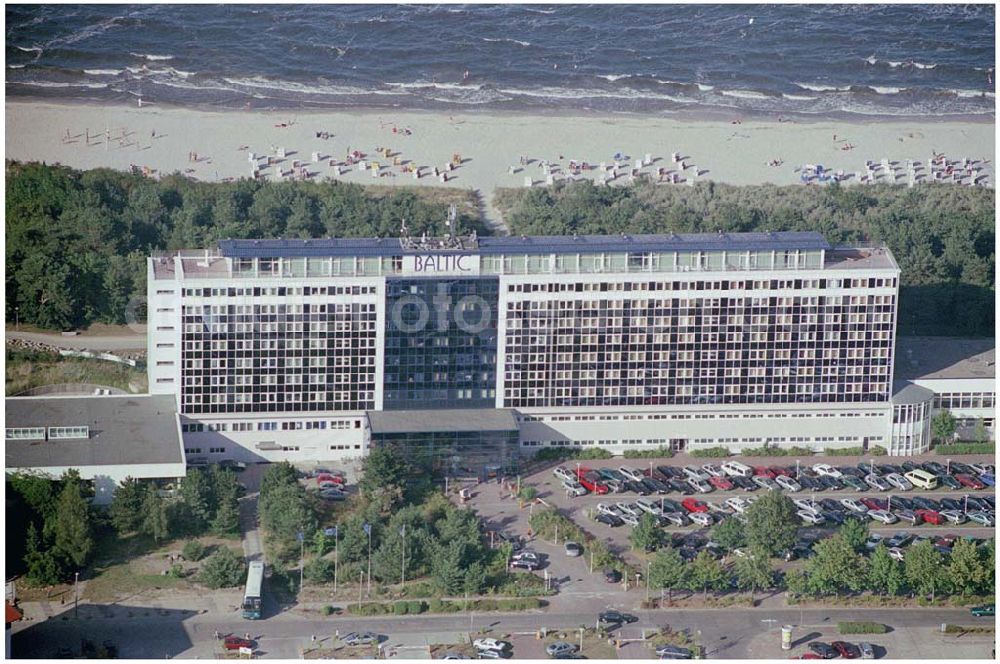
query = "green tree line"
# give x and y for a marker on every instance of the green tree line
(77, 240)
(942, 236)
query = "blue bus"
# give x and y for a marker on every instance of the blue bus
(252, 596)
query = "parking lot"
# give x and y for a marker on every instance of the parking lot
(583, 509)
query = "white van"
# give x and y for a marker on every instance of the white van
(737, 469)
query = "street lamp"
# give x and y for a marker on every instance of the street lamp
(17, 318)
(647, 580)
(76, 595)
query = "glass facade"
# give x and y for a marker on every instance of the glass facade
(311, 353)
(440, 343)
(635, 344)
(455, 453)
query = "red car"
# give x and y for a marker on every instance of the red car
(236, 642)
(763, 471)
(874, 503)
(590, 480)
(778, 470)
(720, 483)
(930, 516)
(694, 505)
(336, 479)
(847, 650)
(970, 482)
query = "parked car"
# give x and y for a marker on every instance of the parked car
(675, 518)
(949, 481)
(765, 482)
(559, 649)
(836, 518)
(897, 554)
(902, 538)
(604, 508)
(630, 520)
(332, 494)
(650, 506)
(636, 487)
(934, 468)
(982, 518)
(737, 505)
(530, 565)
(654, 485)
(359, 638)
(826, 470)
(810, 517)
(695, 473)
(673, 652)
(953, 516)
(564, 474)
(626, 508)
(681, 486)
(989, 479)
(983, 611)
(702, 519)
(763, 471)
(874, 503)
(830, 483)
(930, 516)
(616, 618)
(883, 516)
(921, 503)
(951, 504)
(853, 505)
(236, 642)
(573, 549)
(611, 520)
(901, 502)
(612, 575)
(713, 471)
(721, 483)
(847, 650)
(824, 650)
(810, 483)
(877, 482)
(981, 468)
(700, 486)
(788, 483)
(970, 482)
(873, 541)
(494, 654)
(631, 473)
(574, 488)
(957, 467)
(491, 644)
(592, 481)
(897, 481)
(744, 483)
(849, 481)
(694, 505)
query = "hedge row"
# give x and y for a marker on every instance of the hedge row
(874, 450)
(559, 453)
(714, 452)
(966, 448)
(861, 628)
(413, 607)
(658, 453)
(777, 451)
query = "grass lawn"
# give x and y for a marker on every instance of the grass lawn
(28, 370)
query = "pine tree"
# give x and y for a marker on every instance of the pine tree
(43, 569)
(72, 529)
(227, 518)
(126, 506)
(155, 522)
(198, 494)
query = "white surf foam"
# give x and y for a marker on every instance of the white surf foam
(745, 94)
(817, 87)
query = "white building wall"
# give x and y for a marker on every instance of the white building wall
(107, 478)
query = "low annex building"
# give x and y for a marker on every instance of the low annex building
(105, 438)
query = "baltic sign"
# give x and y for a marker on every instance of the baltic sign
(441, 264)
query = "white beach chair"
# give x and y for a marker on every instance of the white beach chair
(647, 160)
(315, 157)
(527, 181)
(281, 153)
(549, 179)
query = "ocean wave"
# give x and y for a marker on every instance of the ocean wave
(507, 39)
(262, 83)
(745, 94)
(818, 87)
(578, 93)
(147, 56)
(60, 84)
(614, 77)
(103, 72)
(885, 90)
(970, 93)
(29, 49)
(798, 97)
(416, 85)
(16, 66)
(920, 65)
(704, 87)
(89, 31)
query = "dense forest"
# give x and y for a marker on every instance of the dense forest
(941, 235)
(77, 241)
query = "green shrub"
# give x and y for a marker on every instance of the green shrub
(419, 589)
(594, 453)
(326, 610)
(193, 551)
(877, 450)
(713, 452)
(844, 451)
(560, 453)
(966, 448)
(400, 608)
(861, 628)
(369, 609)
(657, 453)
(416, 606)
(176, 571)
(528, 493)
(768, 451)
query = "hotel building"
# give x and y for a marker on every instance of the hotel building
(468, 351)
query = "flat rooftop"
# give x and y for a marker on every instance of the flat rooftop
(124, 430)
(944, 357)
(856, 258)
(533, 244)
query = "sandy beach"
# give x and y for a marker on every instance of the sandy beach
(166, 140)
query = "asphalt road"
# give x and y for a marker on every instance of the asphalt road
(726, 633)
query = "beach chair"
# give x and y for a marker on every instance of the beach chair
(527, 181)
(281, 153)
(647, 160)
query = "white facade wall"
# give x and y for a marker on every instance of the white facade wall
(107, 478)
